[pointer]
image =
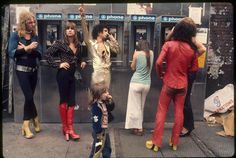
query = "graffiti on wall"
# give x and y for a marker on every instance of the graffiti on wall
(220, 52)
(215, 63)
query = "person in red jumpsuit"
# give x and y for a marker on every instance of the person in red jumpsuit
(181, 58)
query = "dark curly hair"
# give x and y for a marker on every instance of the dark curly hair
(184, 31)
(98, 29)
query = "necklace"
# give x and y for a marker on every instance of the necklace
(28, 32)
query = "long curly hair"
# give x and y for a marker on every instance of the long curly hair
(24, 17)
(184, 31)
(71, 25)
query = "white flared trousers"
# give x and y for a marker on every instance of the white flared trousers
(135, 106)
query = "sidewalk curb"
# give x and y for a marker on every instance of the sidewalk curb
(202, 146)
(118, 151)
(113, 147)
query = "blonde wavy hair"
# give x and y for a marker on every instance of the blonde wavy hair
(21, 26)
(96, 90)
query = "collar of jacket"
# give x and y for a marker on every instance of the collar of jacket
(95, 45)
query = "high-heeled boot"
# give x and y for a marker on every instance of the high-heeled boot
(63, 114)
(36, 123)
(70, 117)
(26, 130)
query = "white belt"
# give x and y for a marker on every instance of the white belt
(25, 68)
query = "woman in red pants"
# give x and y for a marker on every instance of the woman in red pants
(180, 57)
(70, 54)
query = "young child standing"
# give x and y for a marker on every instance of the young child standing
(101, 107)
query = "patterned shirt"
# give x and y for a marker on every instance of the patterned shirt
(64, 53)
(99, 63)
(104, 120)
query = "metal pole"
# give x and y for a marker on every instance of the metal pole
(111, 7)
(203, 9)
(5, 28)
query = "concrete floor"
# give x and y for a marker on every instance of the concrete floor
(50, 143)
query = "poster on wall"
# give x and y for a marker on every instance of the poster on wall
(202, 35)
(196, 14)
(139, 8)
(51, 34)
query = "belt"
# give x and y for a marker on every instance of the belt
(25, 68)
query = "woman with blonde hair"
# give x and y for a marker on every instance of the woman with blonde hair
(25, 50)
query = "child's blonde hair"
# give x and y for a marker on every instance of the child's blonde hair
(96, 91)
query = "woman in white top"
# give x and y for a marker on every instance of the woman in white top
(139, 87)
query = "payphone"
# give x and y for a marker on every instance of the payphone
(83, 76)
(49, 28)
(115, 23)
(140, 32)
(164, 24)
(142, 27)
(76, 18)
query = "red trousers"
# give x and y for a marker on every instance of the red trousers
(178, 97)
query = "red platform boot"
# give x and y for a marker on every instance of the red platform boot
(70, 117)
(63, 113)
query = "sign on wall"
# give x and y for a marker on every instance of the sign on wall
(146, 18)
(196, 14)
(172, 19)
(72, 16)
(49, 16)
(139, 8)
(112, 17)
(202, 35)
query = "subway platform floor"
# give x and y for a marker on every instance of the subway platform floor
(50, 143)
